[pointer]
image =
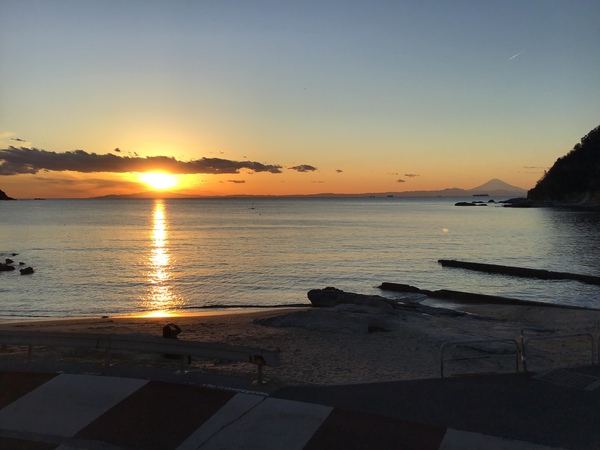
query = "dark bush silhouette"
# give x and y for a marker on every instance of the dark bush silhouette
(3, 196)
(575, 177)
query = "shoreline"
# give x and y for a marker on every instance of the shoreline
(158, 314)
(323, 346)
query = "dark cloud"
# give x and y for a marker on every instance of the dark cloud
(237, 181)
(411, 175)
(22, 160)
(339, 170)
(303, 168)
(400, 180)
(393, 173)
(117, 150)
(18, 139)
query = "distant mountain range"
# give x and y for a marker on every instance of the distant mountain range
(493, 188)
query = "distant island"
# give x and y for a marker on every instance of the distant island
(575, 177)
(494, 187)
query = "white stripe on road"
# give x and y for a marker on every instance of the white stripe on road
(272, 424)
(239, 405)
(466, 440)
(65, 404)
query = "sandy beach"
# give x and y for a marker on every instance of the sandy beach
(323, 346)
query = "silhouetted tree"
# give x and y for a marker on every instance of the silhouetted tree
(574, 177)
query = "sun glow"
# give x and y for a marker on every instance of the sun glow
(159, 180)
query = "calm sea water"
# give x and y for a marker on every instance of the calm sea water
(101, 256)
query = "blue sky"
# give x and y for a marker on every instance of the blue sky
(363, 92)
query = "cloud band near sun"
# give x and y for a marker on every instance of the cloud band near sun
(14, 161)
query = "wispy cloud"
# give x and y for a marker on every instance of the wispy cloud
(411, 175)
(303, 168)
(23, 160)
(400, 180)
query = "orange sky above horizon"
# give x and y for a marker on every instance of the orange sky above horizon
(283, 99)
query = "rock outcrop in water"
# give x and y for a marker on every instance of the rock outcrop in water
(6, 267)
(330, 297)
(339, 311)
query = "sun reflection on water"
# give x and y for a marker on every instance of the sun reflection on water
(161, 298)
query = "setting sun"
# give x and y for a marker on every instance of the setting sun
(159, 180)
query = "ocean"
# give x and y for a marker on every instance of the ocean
(96, 257)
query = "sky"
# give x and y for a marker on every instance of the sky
(278, 97)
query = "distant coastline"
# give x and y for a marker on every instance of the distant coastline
(493, 188)
(409, 194)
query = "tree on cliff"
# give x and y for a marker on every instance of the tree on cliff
(575, 177)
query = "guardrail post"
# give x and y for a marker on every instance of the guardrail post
(259, 379)
(107, 353)
(442, 359)
(523, 355)
(455, 343)
(525, 343)
(260, 362)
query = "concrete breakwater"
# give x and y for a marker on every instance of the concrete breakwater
(520, 271)
(469, 297)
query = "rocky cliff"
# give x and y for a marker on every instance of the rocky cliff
(3, 196)
(575, 177)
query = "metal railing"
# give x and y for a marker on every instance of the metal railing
(525, 341)
(450, 344)
(142, 344)
(522, 348)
